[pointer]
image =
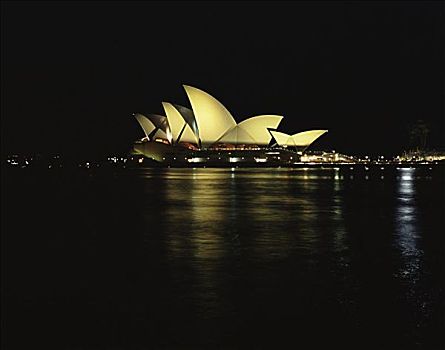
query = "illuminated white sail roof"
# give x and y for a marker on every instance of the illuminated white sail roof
(189, 117)
(282, 138)
(258, 127)
(237, 135)
(210, 122)
(180, 129)
(213, 119)
(163, 128)
(161, 134)
(154, 126)
(145, 124)
(175, 120)
(305, 138)
(188, 135)
(302, 139)
(252, 130)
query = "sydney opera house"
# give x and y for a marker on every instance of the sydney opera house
(208, 134)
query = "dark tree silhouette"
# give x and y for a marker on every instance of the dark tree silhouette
(418, 134)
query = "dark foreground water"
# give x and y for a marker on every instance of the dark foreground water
(221, 258)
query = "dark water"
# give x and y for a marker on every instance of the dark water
(221, 258)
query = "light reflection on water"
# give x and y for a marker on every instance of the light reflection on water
(222, 258)
(407, 236)
(213, 208)
(406, 228)
(208, 210)
(232, 237)
(212, 217)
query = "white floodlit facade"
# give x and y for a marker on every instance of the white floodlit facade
(154, 126)
(209, 124)
(253, 130)
(305, 138)
(181, 131)
(302, 139)
(212, 117)
(145, 124)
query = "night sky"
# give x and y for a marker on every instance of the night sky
(73, 73)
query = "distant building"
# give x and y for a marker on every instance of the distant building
(422, 156)
(327, 157)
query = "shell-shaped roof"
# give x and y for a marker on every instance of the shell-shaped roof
(213, 119)
(302, 139)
